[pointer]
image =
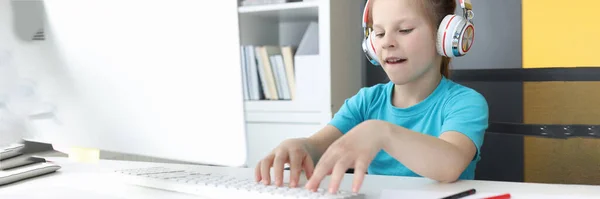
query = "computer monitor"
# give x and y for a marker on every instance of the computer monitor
(152, 78)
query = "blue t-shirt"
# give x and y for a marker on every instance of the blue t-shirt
(450, 107)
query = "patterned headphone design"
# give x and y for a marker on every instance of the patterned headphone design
(454, 37)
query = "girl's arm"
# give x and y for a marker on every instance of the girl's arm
(321, 140)
(442, 159)
(445, 156)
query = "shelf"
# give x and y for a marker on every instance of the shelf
(285, 111)
(288, 117)
(295, 11)
(279, 106)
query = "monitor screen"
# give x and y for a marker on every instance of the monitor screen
(152, 78)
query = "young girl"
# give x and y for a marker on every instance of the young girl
(419, 124)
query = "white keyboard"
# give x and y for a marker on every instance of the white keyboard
(213, 185)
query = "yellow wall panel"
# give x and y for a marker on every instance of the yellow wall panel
(559, 33)
(570, 161)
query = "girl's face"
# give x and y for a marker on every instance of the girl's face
(404, 40)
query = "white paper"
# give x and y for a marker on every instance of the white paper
(45, 192)
(80, 183)
(402, 194)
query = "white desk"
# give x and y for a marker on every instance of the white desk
(87, 180)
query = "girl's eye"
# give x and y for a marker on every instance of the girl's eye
(379, 34)
(406, 30)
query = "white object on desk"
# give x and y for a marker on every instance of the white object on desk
(98, 184)
(26, 172)
(11, 151)
(19, 161)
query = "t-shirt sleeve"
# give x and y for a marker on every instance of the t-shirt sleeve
(468, 114)
(351, 113)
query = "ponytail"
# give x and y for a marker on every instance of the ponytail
(445, 67)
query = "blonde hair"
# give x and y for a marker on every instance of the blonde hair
(434, 11)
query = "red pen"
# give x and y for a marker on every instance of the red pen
(503, 196)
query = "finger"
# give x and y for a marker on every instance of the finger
(257, 176)
(323, 166)
(295, 167)
(265, 167)
(308, 165)
(360, 170)
(338, 173)
(280, 160)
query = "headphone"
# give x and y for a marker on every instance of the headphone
(454, 37)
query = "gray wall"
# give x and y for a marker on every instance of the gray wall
(498, 37)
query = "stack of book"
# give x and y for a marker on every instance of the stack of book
(12, 157)
(268, 72)
(17, 164)
(272, 72)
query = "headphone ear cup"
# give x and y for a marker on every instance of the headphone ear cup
(441, 33)
(449, 36)
(369, 50)
(467, 37)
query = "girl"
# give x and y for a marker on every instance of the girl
(420, 123)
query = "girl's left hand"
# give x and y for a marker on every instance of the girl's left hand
(357, 148)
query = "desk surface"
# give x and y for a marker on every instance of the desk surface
(89, 180)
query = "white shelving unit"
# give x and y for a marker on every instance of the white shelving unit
(322, 87)
(293, 10)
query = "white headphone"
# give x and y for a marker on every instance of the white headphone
(454, 37)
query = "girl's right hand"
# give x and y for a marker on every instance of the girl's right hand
(294, 152)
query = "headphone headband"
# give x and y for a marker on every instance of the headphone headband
(465, 5)
(366, 19)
